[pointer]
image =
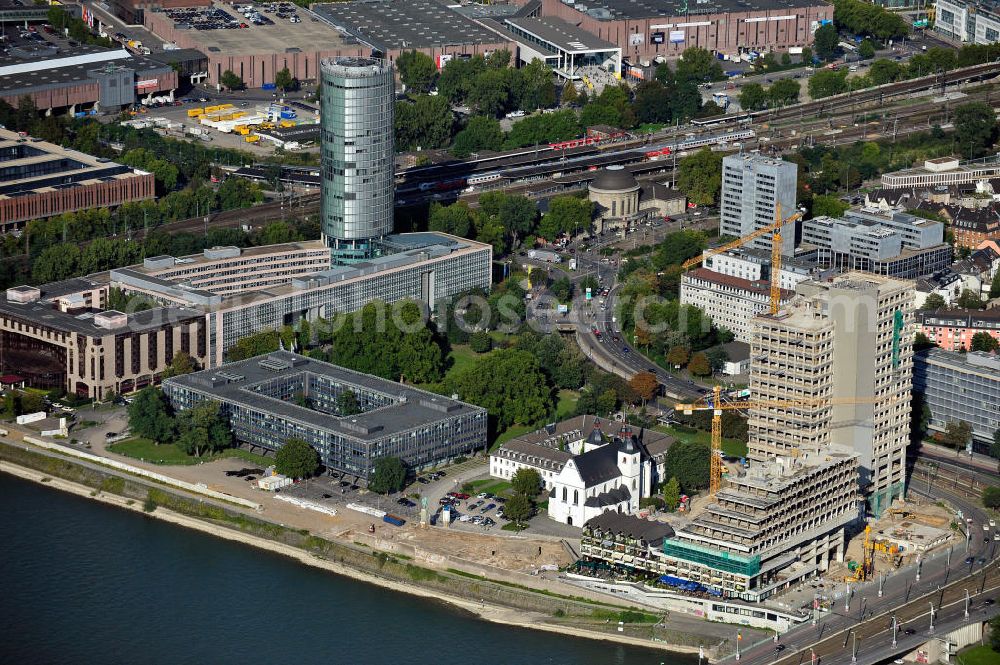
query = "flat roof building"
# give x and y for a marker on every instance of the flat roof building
(207, 302)
(840, 354)
(943, 171)
(658, 29)
(562, 46)
(753, 186)
(81, 78)
(272, 398)
(39, 179)
(730, 302)
(962, 387)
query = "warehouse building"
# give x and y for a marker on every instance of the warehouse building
(39, 179)
(81, 78)
(279, 396)
(837, 362)
(962, 387)
(662, 29)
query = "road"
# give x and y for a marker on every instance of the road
(943, 579)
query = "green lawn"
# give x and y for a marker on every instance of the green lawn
(170, 454)
(730, 447)
(491, 485)
(981, 655)
(460, 358)
(510, 433)
(566, 403)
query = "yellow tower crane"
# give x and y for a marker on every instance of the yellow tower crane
(716, 406)
(775, 251)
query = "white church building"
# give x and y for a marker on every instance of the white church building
(587, 471)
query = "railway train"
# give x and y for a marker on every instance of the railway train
(649, 152)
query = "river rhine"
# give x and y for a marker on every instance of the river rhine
(85, 583)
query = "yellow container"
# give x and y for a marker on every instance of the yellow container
(223, 107)
(194, 113)
(253, 138)
(287, 123)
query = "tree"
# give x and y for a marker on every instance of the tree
(149, 416)
(653, 102)
(562, 289)
(510, 385)
(991, 497)
(922, 342)
(866, 49)
(699, 365)
(956, 434)
(700, 176)
(645, 385)
(825, 41)
(417, 71)
(807, 55)
(934, 301)
(296, 459)
(995, 286)
(231, 81)
(784, 92)
(975, 129)
(388, 476)
(995, 634)
(678, 356)
(688, 462)
(827, 83)
(885, 71)
(983, 341)
(830, 206)
(672, 493)
(424, 121)
(456, 219)
(526, 481)
(182, 363)
(969, 300)
(569, 95)
(567, 214)
(753, 97)
(518, 509)
(257, 344)
(995, 446)
(698, 65)
(284, 80)
(482, 133)
(347, 404)
(481, 342)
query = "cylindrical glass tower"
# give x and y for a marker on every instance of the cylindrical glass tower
(358, 104)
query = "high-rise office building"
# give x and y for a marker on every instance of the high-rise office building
(752, 185)
(358, 104)
(837, 362)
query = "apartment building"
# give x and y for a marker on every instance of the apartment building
(953, 329)
(752, 187)
(960, 387)
(731, 302)
(837, 362)
(968, 20)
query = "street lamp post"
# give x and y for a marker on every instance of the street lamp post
(966, 603)
(920, 564)
(854, 648)
(932, 618)
(895, 629)
(881, 581)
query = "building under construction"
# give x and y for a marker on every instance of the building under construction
(782, 521)
(835, 366)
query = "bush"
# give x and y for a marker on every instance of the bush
(481, 342)
(149, 505)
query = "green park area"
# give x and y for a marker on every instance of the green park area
(169, 454)
(730, 447)
(980, 655)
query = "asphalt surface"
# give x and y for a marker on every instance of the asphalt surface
(944, 579)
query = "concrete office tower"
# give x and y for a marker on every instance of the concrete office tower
(751, 186)
(840, 358)
(358, 102)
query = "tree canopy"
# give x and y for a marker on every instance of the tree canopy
(296, 459)
(510, 385)
(388, 476)
(975, 129)
(526, 481)
(417, 71)
(150, 416)
(688, 462)
(700, 176)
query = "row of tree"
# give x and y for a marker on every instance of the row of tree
(505, 220)
(753, 96)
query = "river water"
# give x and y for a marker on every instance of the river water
(81, 583)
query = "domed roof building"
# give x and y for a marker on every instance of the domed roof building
(615, 192)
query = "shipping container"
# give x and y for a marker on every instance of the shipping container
(268, 86)
(194, 113)
(393, 519)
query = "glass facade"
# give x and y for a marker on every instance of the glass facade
(358, 105)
